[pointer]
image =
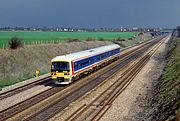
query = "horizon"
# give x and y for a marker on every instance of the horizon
(49, 27)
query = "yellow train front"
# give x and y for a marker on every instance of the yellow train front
(61, 71)
(66, 68)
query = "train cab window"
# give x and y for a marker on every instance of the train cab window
(60, 66)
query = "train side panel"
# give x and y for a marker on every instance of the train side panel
(85, 65)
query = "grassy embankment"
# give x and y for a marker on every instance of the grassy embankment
(20, 64)
(169, 93)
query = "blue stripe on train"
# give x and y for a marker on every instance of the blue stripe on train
(80, 64)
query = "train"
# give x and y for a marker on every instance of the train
(67, 68)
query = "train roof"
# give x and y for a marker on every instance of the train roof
(85, 53)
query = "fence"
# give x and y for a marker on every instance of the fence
(37, 42)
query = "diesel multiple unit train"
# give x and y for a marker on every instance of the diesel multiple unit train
(66, 68)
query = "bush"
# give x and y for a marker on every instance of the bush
(15, 42)
(101, 39)
(119, 39)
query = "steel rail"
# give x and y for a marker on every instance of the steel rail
(106, 103)
(9, 93)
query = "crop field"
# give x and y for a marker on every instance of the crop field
(45, 37)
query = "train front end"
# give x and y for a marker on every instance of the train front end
(61, 72)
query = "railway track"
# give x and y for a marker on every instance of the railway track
(64, 101)
(44, 81)
(100, 105)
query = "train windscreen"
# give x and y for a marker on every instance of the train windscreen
(60, 66)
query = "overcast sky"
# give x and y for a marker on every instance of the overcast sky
(90, 13)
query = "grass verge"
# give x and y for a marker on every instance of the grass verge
(169, 92)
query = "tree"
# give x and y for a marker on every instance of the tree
(15, 42)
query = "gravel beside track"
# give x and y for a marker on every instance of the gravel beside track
(134, 106)
(10, 101)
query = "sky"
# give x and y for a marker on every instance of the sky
(90, 13)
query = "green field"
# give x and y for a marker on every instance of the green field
(32, 37)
